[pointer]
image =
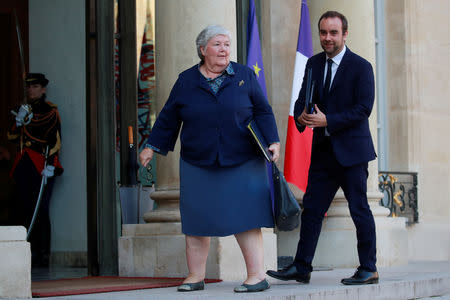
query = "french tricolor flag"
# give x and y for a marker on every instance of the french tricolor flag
(298, 145)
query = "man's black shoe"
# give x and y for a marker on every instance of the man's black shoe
(290, 273)
(361, 277)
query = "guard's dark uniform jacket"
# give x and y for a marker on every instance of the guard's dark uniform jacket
(43, 130)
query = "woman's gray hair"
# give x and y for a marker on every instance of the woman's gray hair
(206, 34)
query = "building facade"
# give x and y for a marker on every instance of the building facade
(73, 43)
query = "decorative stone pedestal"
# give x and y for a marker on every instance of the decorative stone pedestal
(15, 262)
(337, 243)
(158, 248)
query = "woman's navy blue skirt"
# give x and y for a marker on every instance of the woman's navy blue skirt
(221, 201)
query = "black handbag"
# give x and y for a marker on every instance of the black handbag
(287, 209)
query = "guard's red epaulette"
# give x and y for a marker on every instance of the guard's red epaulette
(52, 105)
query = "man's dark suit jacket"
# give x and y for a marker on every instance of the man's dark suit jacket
(347, 107)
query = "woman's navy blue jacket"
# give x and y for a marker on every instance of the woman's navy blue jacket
(214, 127)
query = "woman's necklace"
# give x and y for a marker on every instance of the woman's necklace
(210, 73)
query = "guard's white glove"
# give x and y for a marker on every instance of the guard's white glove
(24, 115)
(49, 171)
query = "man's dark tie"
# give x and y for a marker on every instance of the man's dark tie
(326, 86)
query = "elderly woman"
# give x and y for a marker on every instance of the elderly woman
(223, 178)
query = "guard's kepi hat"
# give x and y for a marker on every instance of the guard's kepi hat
(36, 78)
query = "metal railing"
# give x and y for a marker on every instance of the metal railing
(400, 194)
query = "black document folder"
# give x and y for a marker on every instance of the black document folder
(259, 138)
(309, 102)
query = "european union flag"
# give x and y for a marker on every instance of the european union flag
(254, 56)
(255, 62)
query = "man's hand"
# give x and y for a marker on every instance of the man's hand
(317, 119)
(146, 156)
(24, 115)
(275, 149)
(49, 171)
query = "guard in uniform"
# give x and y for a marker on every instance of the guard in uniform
(36, 130)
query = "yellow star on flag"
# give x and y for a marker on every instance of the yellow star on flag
(257, 69)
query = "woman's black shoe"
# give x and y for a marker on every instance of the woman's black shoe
(251, 288)
(189, 287)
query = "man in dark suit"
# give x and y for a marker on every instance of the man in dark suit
(341, 149)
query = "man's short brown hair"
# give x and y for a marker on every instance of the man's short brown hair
(335, 14)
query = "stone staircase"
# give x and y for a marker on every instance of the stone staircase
(415, 280)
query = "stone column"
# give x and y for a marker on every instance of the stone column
(337, 243)
(417, 72)
(158, 247)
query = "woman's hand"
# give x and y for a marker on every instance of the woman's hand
(275, 149)
(146, 156)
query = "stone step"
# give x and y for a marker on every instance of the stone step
(416, 280)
